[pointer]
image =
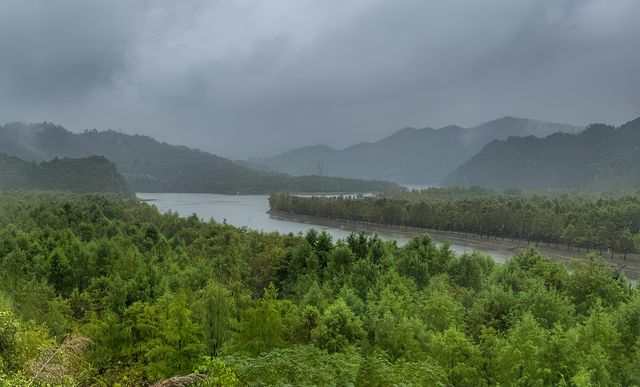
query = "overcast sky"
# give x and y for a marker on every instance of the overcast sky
(244, 78)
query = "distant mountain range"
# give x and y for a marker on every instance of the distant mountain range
(601, 157)
(411, 156)
(86, 175)
(505, 153)
(152, 166)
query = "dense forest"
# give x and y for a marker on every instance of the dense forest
(96, 290)
(410, 156)
(85, 175)
(152, 166)
(600, 158)
(584, 221)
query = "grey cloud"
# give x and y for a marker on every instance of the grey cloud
(244, 78)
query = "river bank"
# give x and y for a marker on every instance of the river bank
(492, 246)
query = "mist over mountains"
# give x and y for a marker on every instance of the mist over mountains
(505, 153)
(410, 156)
(152, 166)
(602, 157)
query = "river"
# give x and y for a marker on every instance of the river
(251, 211)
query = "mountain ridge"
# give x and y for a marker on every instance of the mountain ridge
(599, 158)
(409, 155)
(153, 166)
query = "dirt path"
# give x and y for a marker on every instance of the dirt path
(499, 246)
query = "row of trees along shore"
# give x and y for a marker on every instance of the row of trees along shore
(579, 221)
(101, 291)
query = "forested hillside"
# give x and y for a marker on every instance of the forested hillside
(99, 291)
(600, 158)
(152, 166)
(411, 156)
(84, 175)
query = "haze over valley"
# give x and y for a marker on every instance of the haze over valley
(410, 156)
(319, 193)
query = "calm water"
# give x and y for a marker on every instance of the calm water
(250, 211)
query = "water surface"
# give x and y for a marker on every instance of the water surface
(251, 211)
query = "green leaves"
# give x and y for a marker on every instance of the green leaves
(161, 296)
(579, 221)
(338, 328)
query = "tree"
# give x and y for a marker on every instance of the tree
(440, 310)
(569, 235)
(594, 283)
(394, 325)
(60, 272)
(214, 312)
(521, 357)
(261, 327)
(626, 242)
(179, 348)
(457, 356)
(469, 270)
(8, 338)
(600, 348)
(338, 327)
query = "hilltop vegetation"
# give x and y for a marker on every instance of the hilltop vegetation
(85, 175)
(152, 166)
(600, 158)
(411, 156)
(95, 290)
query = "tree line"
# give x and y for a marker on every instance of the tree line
(579, 221)
(96, 290)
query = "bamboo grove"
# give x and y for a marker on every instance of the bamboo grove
(575, 220)
(96, 290)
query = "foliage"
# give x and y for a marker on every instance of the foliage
(583, 221)
(164, 299)
(83, 175)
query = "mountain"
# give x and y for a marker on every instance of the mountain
(152, 166)
(91, 174)
(411, 156)
(601, 157)
(506, 127)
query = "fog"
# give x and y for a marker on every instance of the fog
(253, 78)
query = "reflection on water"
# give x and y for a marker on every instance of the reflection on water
(251, 211)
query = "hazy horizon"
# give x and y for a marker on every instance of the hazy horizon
(255, 78)
(250, 157)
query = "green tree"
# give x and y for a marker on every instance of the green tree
(626, 242)
(60, 273)
(457, 356)
(214, 311)
(179, 348)
(261, 327)
(521, 357)
(338, 327)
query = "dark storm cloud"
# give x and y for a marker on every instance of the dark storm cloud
(255, 77)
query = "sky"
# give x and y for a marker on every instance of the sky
(248, 78)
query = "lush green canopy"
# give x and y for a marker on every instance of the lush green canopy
(587, 221)
(97, 290)
(84, 175)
